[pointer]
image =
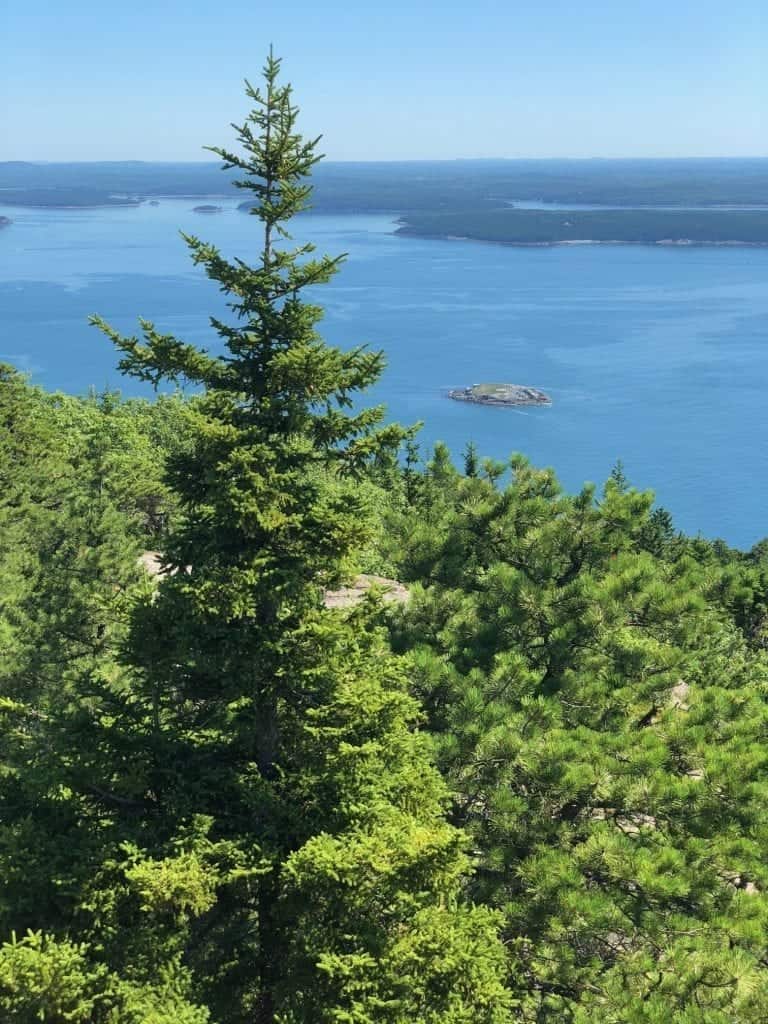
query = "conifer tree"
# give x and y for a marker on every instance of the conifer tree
(74, 497)
(471, 460)
(600, 719)
(280, 809)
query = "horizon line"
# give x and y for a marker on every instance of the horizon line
(394, 160)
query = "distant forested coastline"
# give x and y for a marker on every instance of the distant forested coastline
(715, 201)
(402, 187)
(553, 227)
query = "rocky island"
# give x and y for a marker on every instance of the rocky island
(500, 394)
(207, 208)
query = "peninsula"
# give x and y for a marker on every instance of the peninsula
(500, 394)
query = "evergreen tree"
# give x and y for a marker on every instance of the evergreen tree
(600, 720)
(288, 858)
(619, 477)
(67, 563)
(411, 478)
(471, 460)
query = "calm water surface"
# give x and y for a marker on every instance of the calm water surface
(656, 356)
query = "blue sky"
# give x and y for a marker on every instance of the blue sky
(86, 80)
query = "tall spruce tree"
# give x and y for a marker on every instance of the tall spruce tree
(284, 825)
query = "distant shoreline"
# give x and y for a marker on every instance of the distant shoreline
(522, 227)
(102, 202)
(666, 243)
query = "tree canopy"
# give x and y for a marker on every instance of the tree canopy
(536, 791)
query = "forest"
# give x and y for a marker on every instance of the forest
(535, 791)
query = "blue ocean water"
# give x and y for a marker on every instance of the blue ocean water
(656, 356)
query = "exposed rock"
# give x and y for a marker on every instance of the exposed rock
(678, 694)
(344, 597)
(500, 394)
(348, 597)
(151, 561)
(739, 882)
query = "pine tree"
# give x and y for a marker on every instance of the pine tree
(600, 718)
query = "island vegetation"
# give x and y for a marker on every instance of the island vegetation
(535, 791)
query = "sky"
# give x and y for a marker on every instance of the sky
(96, 80)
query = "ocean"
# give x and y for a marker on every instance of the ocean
(657, 356)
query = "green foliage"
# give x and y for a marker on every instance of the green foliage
(471, 460)
(599, 716)
(284, 726)
(220, 799)
(45, 980)
(82, 494)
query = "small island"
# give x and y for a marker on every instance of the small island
(500, 394)
(4, 222)
(207, 208)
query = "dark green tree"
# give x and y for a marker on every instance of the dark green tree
(411, 478)
(71, 532)
(283, 845)
(471, 460)
(619, 477)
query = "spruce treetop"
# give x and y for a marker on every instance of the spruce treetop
(275, 375)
